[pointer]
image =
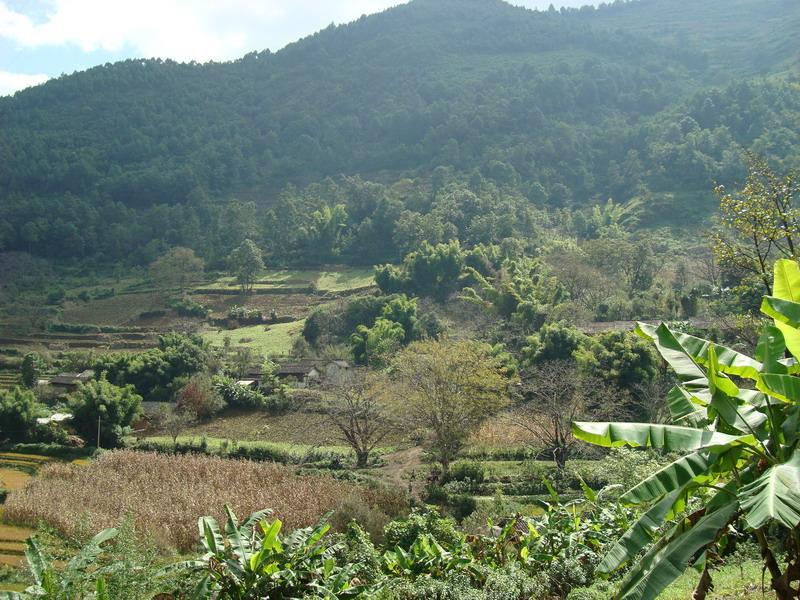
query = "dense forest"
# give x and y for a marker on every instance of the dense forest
(365, 131)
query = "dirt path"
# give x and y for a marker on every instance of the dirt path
(398, 467)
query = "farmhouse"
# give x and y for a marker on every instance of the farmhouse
(67, 382)
(304, 372)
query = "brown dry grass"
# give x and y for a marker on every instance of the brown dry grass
(164, 495)
(502, 430)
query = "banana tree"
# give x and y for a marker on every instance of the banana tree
(737, 424)
(253, 560)
(79, 577)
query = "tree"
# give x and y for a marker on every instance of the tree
(447, 388)
(174, 421)
(758, 223)
(555, 394)
(430, 271)
(554, 341)
(19, 410)
(740, 464)
(31, 369)
(356, 411)
(619, 358)
(373, 345)
(100, 405)
(246, 263)
(177, 268)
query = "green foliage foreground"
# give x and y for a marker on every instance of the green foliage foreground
(738, 427)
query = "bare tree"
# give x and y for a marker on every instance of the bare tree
(174, 421)
(650, 398)
(358, 415)
(554, 395)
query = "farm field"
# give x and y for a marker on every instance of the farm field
(131, 314)
(333, 280)
(267, 340)
(16, 471)
(164, 495)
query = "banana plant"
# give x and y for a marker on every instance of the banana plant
(252, 560)
(737, 424)
(79, 578)
(427, 557)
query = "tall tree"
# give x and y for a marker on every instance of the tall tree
(758, 223)
(447, 388)
(246, 263)
(555, 394)
(31, 368)
(358, 415)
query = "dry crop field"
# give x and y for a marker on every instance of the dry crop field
(164, 495)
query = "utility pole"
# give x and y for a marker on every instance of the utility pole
(98, 432)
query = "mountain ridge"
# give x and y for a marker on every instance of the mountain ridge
(552, 105)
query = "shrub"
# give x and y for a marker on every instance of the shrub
(472, 470)
(462, 505)
(236, 395)
(513, 583)
(404, 532)
(200, 397)
(245, 315)
(186, 307)
(601, 590)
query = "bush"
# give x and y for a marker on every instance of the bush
(200, 397)
(472, 470)
(462, 506)
(601, 590)
(245, 315)
(404, 532)
(512, 583)
(454, 586)
(186, 307)
(238, 396)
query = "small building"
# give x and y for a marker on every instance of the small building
(304, 371)
(68, 382)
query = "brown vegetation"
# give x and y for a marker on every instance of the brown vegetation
(164, 495)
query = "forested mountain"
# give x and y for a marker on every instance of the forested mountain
(650, 99)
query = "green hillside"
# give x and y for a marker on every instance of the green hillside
(547, 109)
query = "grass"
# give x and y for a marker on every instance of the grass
(13, 479)
(268, 340)
(165, 494)
(731, 582)
(216, 444)
(333, 280)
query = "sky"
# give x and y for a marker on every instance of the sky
(40, 39)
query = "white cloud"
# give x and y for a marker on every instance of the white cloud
(13, 82)
(179, 29)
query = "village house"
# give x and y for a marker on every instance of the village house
(302, 372)
(68, 382)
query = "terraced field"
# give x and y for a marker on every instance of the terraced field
(268, 340)
(16, 470)
(9, 379)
